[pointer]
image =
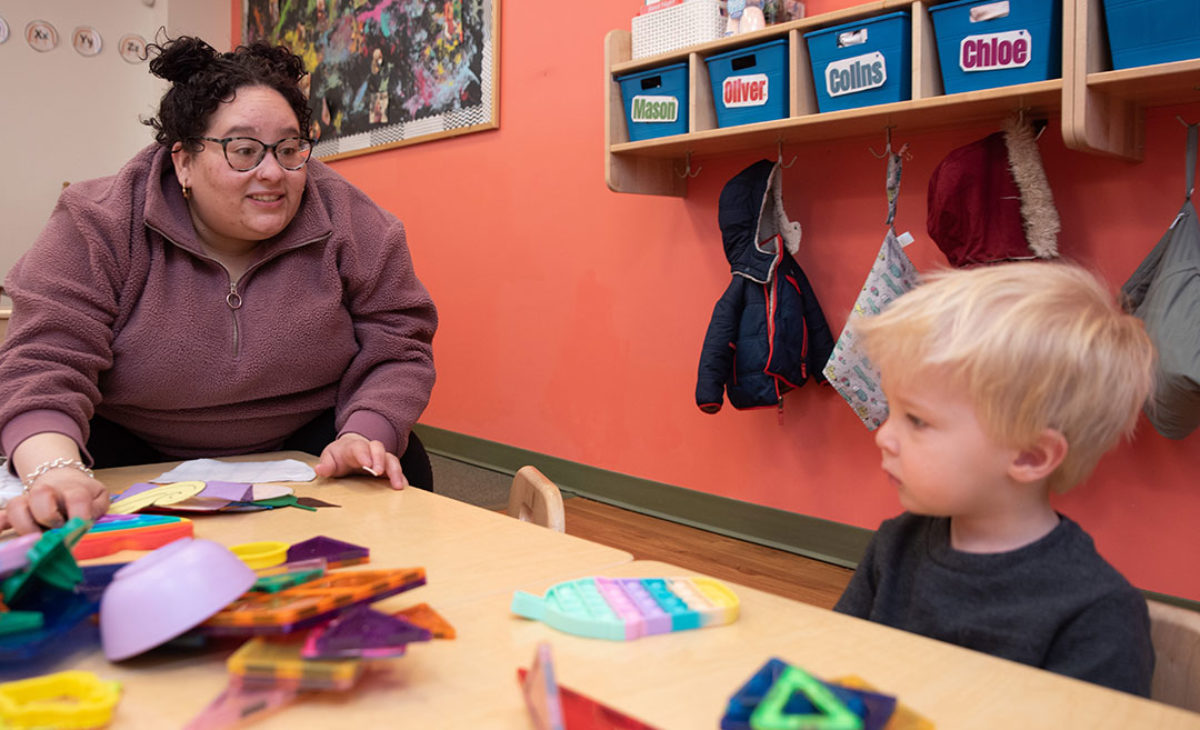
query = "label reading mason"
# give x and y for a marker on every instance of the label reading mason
(650, 109)
(747, 90)
(858, 73)
(994, 51)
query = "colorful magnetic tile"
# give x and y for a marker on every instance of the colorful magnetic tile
(73, 699)
(362, 631)
(828, 712)
(50, 560)
(63, 618)
(424, 616)
(275, 661)
(337, 554)
(540, 688)
(553, 706)
(903, 716)
(276, 582)
(18, 622)
(310, 650)
(873, 708)
(128, 522)
(96, 579)
(14, 553)
(311, 603)
(629, 608)
(239, 703)
(748, 697)
(146, 533)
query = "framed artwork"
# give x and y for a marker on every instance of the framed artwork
(388, 73)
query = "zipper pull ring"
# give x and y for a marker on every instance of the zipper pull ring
(233, 299)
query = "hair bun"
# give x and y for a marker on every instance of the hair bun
(276, 58)
(180, 59)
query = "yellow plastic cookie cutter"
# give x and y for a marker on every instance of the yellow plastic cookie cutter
(259, 555)
(68, 700)
(163, 495)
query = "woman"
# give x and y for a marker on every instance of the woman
(222, 294)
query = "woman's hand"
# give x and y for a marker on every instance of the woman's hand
(55, 497)
(352, 452)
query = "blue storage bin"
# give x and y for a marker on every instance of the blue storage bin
(863, 63)
(750, 84)
(656, 101)
(984, 43)
(1145, 32)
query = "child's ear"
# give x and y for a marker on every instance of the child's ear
(1040, 459)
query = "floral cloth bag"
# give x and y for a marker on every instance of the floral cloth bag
(848, 369)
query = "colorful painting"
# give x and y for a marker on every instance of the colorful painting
(387, 73)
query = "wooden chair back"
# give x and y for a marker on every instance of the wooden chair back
(1175, 633)
(534, 498)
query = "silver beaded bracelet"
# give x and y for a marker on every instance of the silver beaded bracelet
(59, 463)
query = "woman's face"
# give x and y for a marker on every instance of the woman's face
(232, 211)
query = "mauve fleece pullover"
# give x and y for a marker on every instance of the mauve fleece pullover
(117, 311)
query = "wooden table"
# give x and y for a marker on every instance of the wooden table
(683, 680)
(679, 680)
(467, 551)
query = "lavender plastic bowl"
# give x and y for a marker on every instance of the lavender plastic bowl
(168, 592)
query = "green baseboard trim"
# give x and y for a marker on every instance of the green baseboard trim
(1173, 600)
(811, 537)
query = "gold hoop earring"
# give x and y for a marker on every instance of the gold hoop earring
(187, 192)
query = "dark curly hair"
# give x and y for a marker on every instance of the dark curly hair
(202, 78)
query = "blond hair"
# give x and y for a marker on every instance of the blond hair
(1034, 345)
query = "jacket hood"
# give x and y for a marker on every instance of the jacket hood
(751, 215)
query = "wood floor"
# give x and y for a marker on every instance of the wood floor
(649, 538)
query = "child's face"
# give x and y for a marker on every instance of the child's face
(936, 452)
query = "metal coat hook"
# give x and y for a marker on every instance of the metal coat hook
(779, 147)
(1041, 128)
(687, 170)
(1183, 121)
(887, 150)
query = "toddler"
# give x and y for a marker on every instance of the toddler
(1005, 384)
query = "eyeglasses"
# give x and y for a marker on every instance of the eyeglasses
(246, 153)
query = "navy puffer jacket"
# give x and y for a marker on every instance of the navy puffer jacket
(768, 334)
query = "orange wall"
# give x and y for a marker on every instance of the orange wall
(572, 317)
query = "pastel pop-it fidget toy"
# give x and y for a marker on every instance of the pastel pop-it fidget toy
(622, 609)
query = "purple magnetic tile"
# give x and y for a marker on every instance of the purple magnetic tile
(14, 554)
(326, 547)
(363, 628)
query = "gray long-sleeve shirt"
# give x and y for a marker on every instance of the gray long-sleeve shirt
(1054, 604)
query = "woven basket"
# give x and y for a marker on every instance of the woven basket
(692, 22)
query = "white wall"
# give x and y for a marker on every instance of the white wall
(64, 117)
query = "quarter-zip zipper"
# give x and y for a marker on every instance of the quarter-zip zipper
(234, 298)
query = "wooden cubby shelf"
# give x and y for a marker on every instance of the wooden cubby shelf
(1101, 110)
